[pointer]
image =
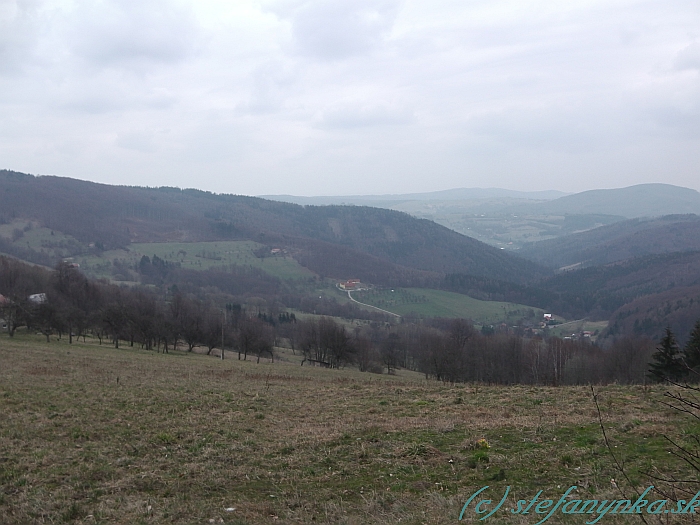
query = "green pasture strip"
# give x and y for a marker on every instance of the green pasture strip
(38, 238)
(203, 255)
(438, 303)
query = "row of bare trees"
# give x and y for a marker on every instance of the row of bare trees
(453, 351)
(73, 306)
(447, 350)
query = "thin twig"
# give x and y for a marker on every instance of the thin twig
(679, 488)
(612, 454)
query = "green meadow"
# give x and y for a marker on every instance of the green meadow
(204, 255)
(438, 303)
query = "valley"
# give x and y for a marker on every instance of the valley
(188, 356)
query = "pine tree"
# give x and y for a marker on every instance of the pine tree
(691, 352)
(667, 362)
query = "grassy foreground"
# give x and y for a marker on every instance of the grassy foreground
(91, 434)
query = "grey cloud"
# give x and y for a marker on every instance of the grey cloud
(19, 24)
(270, 87)
(136, 141)
(133, 33)
(541, 128)
(326, 96)
(344, 117)
(677, 122)
(338, 29)
(688, 57)
(110, 93)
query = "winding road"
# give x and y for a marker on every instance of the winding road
(370, 306)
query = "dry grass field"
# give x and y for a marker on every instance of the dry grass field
(91, 434)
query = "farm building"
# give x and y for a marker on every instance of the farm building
(350, 284)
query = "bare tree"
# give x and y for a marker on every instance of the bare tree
(366, 355)
(254, 338)
(212, 329)
(391, 352)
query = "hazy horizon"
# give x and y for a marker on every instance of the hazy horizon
(376, 196)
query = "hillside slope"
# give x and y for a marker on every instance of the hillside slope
(618, 241)
(333, 240)
(601, 290)
(678, 308)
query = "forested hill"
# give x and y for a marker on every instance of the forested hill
(641, 274)
(650, 315)
(619, 241)
(416, 243)
(114, 216)
(603, 289)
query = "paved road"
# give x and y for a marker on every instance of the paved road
(363, 304)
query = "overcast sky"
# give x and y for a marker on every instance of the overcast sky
(352, 97)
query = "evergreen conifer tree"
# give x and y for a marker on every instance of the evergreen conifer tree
(691, 352)
(666, 361)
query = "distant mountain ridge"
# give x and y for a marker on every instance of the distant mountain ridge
(641, 200)
(509, 220)
(456, 194)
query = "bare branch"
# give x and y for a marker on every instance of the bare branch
(612, 454)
